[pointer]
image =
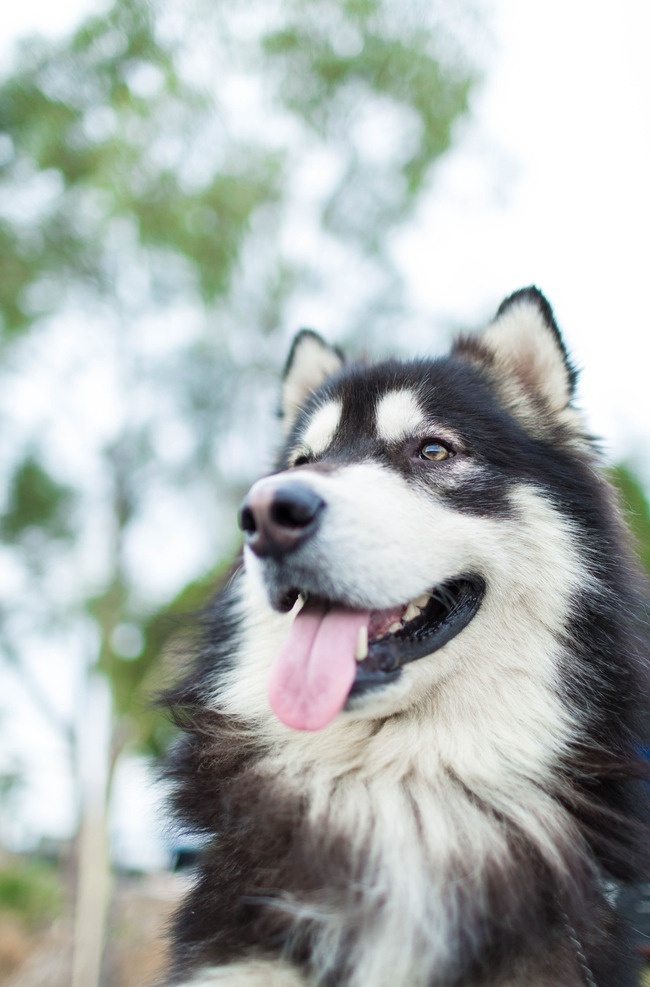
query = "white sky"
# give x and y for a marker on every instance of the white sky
(40, 16)
(549, 183)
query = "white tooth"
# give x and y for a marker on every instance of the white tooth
(411, 611)
(395, 627)
(422, 600)
(362, 644)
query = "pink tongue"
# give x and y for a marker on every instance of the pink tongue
(313, 673)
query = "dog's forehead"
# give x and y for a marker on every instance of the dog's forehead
(399, 413)
(322, 425)
(389, 414)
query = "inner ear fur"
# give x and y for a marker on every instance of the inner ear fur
(310, 362)
(524, 350)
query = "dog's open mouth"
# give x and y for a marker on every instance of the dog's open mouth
(334, 652)
(425, 625)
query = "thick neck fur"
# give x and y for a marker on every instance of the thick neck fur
(393, 870)
(431, 853)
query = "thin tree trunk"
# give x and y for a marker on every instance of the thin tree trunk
(93, 867)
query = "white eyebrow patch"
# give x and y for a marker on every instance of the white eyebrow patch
(399, 414)
(321, 430)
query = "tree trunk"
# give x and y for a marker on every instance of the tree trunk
(93, 869)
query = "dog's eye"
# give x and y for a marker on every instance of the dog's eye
(302, 460)
(435, 452)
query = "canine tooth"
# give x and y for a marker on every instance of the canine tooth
(362, 644)
(422, 600)
(395, 627)
(411, 611)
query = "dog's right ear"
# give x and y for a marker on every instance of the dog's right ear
(311, 361)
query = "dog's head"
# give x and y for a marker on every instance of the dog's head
(419, 509)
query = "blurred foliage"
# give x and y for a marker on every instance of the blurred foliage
(637, 509)
(36, 501)
(154, 159)
(30, 889)
(79, 135)
(161, 643)
(105, 129)
(330, 59)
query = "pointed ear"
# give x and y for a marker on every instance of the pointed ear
(311, 361)
(524, 350)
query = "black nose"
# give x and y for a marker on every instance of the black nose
(276, 519)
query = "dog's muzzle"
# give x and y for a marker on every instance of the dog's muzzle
(279, 515)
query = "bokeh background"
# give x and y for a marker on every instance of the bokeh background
(183, 184)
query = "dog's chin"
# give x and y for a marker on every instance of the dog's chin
(399, 635)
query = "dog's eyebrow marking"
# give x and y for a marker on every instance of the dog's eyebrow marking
(399, 414)
(322, 428)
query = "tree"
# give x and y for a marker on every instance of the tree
(177, 179)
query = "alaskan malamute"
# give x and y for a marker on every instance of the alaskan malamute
(410, 733)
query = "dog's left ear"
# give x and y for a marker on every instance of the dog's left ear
(311, 361)
(524, 349)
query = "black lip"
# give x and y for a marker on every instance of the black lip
(449, 611)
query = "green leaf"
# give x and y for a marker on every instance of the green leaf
(636, 507)
(30, 889)
(36, 501)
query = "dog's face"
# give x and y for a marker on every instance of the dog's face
(416, 518)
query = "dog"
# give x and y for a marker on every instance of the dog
(410, 733)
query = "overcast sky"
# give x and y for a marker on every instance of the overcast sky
(548, 184)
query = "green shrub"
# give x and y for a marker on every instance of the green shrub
(30, 889)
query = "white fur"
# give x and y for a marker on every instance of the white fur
(487, 706)
(322, 427)
(399, 415)
(257, 973)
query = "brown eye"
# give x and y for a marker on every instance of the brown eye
(302, 460)
(435, 452)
